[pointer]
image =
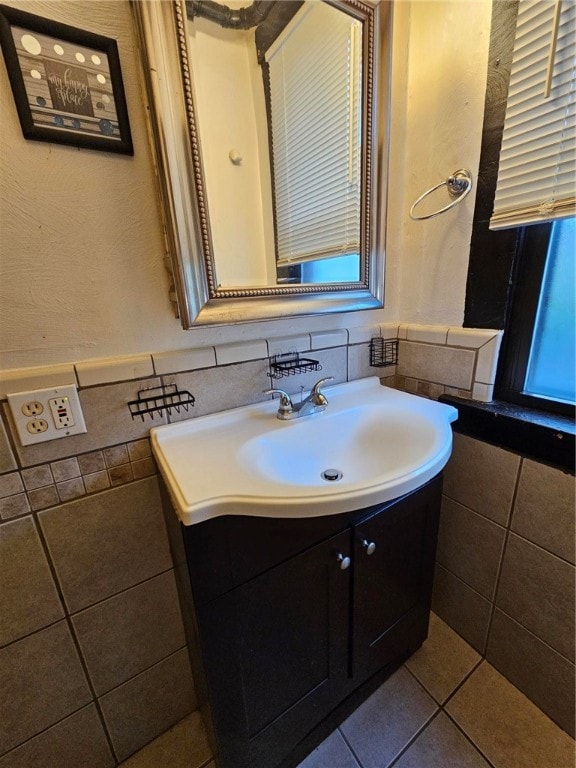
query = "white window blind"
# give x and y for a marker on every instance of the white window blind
(315, 95)
(537, 170)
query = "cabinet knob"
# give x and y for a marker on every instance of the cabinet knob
(344, 561)
(369, 546)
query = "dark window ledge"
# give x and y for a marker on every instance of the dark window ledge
(544, 437)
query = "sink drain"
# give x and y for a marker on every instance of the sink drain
(332, 475)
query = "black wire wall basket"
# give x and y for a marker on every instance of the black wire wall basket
(166, 398)
(383, 352)
(290, 364)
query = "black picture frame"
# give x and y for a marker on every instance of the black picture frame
(66, 82)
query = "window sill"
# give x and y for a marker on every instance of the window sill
(541, 436)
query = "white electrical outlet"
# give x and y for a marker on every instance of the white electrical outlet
(33, 408)
(47, 414)
(61, 412)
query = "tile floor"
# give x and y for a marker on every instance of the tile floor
(445, 708)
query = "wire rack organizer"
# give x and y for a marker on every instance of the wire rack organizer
(383, 352)
(166, 398)
(290, 364)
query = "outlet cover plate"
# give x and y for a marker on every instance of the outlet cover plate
(19, 402)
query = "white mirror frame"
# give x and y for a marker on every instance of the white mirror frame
(161, 29)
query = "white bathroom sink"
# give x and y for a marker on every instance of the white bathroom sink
(378, 442)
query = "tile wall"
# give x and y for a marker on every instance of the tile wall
(505, 569)
(91, 638)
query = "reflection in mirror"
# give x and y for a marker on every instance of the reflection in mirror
(269, 123)
(281, 143)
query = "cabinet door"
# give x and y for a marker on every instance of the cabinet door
(276, 655)
(394, 554)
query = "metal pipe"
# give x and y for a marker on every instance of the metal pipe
(230, 18)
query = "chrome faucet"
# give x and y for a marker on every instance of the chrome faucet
(315, 402)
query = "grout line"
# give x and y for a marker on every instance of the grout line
(539, 639)
(147, 669)
(73, 635)
(414, 738)
(470, 740)
(120, 592)
(49, 727)
(460, 579)
(442, 708)
(475, 511)
(10, 438)
(507, 529)
(354, 755)
(502, 556)
(34, 631)
(420, 683)
(464, 680)
(95, 701)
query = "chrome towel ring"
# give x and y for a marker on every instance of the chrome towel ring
(458, 185)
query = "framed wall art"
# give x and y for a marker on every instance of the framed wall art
(66, 82)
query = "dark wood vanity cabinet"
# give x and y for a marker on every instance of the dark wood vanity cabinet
(288, 635)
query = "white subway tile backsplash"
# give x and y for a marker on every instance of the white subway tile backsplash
(389, 330)
(325, 339)
(217, 390)
(482, 392)
(106, 371)
(488, 360)
(469, 358)
(239, 353)
(283, 345)
(363, 333)
(435, 363)
(25, 379)
(473, 338)
(184, 360)
(431, 334)
(359, 364)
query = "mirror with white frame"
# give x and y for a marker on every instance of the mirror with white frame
(269, 125)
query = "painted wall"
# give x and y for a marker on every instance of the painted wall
(82, 251)
(447, 67)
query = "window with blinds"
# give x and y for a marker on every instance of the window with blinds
(315, 105)
(537, 169)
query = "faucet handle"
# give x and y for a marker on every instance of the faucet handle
(315, 395)
(316, 388)
(285, 400)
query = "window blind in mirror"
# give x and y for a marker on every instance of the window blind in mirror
(537, 168)
(315, 104)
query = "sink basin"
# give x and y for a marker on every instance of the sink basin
(372, 444)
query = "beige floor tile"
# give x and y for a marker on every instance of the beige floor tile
(333, 752)
(183, 746)
(441, 745)
(443, 661)
(387, 721)
(506, 726)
